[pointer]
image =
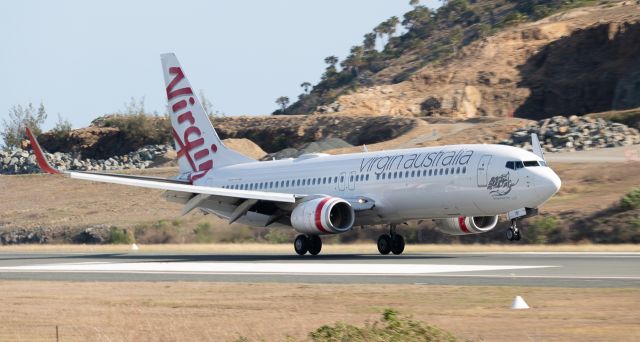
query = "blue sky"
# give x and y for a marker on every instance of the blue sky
(87, 58)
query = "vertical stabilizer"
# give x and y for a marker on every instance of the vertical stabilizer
(197, 143)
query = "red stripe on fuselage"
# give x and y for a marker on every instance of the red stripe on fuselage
(463, 226)
(319, 214)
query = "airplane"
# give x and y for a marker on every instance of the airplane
(463, 188)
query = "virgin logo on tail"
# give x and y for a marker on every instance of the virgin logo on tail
(191, 140)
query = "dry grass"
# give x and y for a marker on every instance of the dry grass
(195, 311)
(245, 248)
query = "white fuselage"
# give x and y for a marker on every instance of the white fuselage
(409, 184)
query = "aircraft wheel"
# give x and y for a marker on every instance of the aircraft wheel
(397, 244)
(384, 244)
(301, 244)
(315, 244)
(511, 234)
(518, 236)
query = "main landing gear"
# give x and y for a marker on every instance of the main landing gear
(513, 233)
(307, 243)
(391, 243)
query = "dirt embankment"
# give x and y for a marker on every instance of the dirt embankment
(270, 133)
(577, 62)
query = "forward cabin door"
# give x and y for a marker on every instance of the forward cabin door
(342, 180)
(483, 168)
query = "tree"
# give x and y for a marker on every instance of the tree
(134, 107)
(13, 129)
(206, 104)
(305, 86)
(369, 42)
(283, 101)
(392, 24)
(331, 60)
(414, 3)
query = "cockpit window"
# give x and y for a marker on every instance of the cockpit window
(530, 163)
(514, 165)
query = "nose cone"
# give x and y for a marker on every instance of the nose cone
(548, 184)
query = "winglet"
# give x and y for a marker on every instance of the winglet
(535, 146)
(42, 161)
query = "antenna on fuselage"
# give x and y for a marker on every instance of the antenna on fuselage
(364, 148)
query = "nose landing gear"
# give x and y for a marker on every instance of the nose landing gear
(513, 233)
(391, 243)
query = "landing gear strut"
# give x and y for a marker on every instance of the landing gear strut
(307, 243)
(513, 233)
(391, 243)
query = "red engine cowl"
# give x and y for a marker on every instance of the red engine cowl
(324, 215)
(467, 225)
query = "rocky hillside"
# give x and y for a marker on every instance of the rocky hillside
(519, 63)
(123, 135)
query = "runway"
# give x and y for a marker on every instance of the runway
(522, 269)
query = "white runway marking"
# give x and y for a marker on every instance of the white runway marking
(260, 268)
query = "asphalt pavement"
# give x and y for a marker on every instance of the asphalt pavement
(507, 269)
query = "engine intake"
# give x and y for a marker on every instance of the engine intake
(467, 225)
(324, 215)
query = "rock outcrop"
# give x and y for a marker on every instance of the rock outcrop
(559, 134)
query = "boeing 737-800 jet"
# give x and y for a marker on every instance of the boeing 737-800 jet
(464, 188)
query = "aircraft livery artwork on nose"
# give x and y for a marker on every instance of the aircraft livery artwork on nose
(500, 186)
(321, 194)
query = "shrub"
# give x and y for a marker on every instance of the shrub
(277, 236)
(391, 327)
(204, 233)
(120, 236)
(631, 200)
(541, 229)
(140, 129)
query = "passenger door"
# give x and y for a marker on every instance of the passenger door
(342, 180)
(483, 168)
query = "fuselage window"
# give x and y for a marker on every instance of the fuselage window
(406, 174)
(441, 172)
(400, 174)
(351, 178)
(367, 177)
(413, 173)
(335, 179)
(329, 180)
(341, 178)
(313, 181)
(324, 180)
(383, 177)
(446, 171)
(430, 172)
(458, 170)
(464, 169)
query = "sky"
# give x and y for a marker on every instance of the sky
(83, 59)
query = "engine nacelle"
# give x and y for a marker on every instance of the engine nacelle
(324, 215)
(467, 225)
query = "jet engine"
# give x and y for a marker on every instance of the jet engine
(467, 225)
(324, 215)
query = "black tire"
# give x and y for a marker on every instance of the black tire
(397, 244)
(315, 244)
(301, 244)
(511, 234)
(384, 244)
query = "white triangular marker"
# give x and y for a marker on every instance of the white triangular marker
(134, 247)
(519, 303)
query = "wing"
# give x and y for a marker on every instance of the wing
(173, 185)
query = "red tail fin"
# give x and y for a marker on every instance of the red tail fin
(42, 161)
